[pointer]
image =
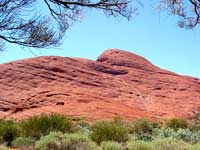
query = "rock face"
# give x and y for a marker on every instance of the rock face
(119, 83)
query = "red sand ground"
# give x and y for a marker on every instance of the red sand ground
(119, 83)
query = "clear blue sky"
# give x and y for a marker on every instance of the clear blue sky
(150, 34)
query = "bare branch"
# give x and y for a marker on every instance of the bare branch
(45, 30)
(20, 25)
(187, 10)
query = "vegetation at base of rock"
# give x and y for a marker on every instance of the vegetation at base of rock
(139, 145)
(171, 144)
(110, 145)
(177, 123)
(142, 129)
(142, 126)
(59, 141)
(4, 148)
(115, 130)
(42, 125)
(9, 130)
(56, 132)
(23, 143)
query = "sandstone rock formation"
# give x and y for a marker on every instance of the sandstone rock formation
(119, 83)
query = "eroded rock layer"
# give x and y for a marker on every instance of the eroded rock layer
(119, 83)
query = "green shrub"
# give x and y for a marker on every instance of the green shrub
(176, 123)
(9, 130)
(194, 126)
(83, 127)
(181, 134)
(195, 147)
(164, 133)
(142, 129)
(109, 131)
(139, 145)
(59, 141)
(142, 126)
(23, 142)
(109, 145)
(142, 137)
(42, 125)
(170, 144)
(79, 142)
(4, 148)
(83, 130)
(188, 136)
(46, 142)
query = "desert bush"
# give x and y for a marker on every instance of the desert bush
(109, 145)
(86, 131)
(59, 141)
(188, 135)
(79, 142)
(194, 126)
(82, 127)
(139, 145)
(38, 126)
(143, 137)
(195, 147)
(9, 130)
(47, 141)
(4, 148)
(83, 123)
(170, 144)
(114, 130)
(142, 129)
(142, 126)
(164, 133)
(23, 142)
(181, 134)
(176, 123)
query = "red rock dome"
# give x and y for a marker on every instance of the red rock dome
(119, 83)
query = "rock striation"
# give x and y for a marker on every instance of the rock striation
(118, 83)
